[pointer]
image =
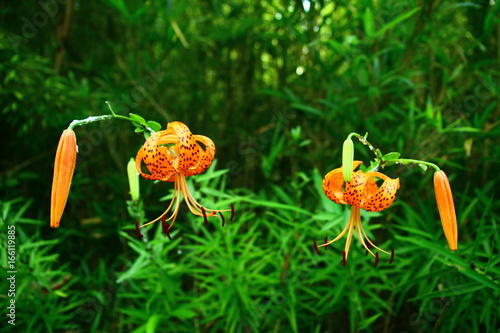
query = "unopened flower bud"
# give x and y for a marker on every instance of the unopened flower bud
(347, 159)
(446, 207)
(64, 166)
(133, 180)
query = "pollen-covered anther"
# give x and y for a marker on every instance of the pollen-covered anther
(316, 248)
(232, 212)
(137, 229)
(223, 219)
(165, 227)
(205, 219)
(376, 260)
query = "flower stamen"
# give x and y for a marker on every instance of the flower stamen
(165, 227)
(232, 213)
(204, 215)
(223, 219)
(316, 248)
(137, 229)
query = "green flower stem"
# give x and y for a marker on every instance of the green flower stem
(89, 120)
(113, 115)
(363, 140)
(409, 160)
(379, 157)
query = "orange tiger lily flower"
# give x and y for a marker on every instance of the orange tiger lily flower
(361, 193)
(446, 207)
(171, 156)
(64, 167)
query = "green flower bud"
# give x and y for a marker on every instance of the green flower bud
(347, 159)
(133, 180)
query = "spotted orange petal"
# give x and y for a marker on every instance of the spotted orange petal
(188, 149)
(385, 195)
(370, 189)
(355, 189)
(332, 185)
(158, 159)
(333, 182)
(206, 156)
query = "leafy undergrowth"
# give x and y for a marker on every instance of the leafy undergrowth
(259, 273)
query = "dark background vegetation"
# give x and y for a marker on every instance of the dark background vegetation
(277, 85)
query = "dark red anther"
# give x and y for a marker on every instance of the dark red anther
(316, 248)
(223, 219)
(367, 247)
(392, 256)
(344, 259)
(376, 260)
(204, 215)
(232, 213)
(165, 227)
(137, 229)
(326, 241)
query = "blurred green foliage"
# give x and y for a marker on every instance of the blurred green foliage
(277, 85)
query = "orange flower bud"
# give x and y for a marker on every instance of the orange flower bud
(446, 207)
(64, 166)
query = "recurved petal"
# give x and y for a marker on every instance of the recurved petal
(446, 207)
(188, 148)
(371, 185)
(206, 155)
(159, 160)
(332, 185)
(370, 189)
(64, 167)
(333, 182)
(355, 189)
(384, 197)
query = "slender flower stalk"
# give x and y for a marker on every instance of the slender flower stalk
(446, 207)
(171, 156)
(64, 167)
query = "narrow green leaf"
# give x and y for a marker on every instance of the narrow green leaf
(369, 23)
(152, 323)
(307, 108)
(463, 129)
(397, 20)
